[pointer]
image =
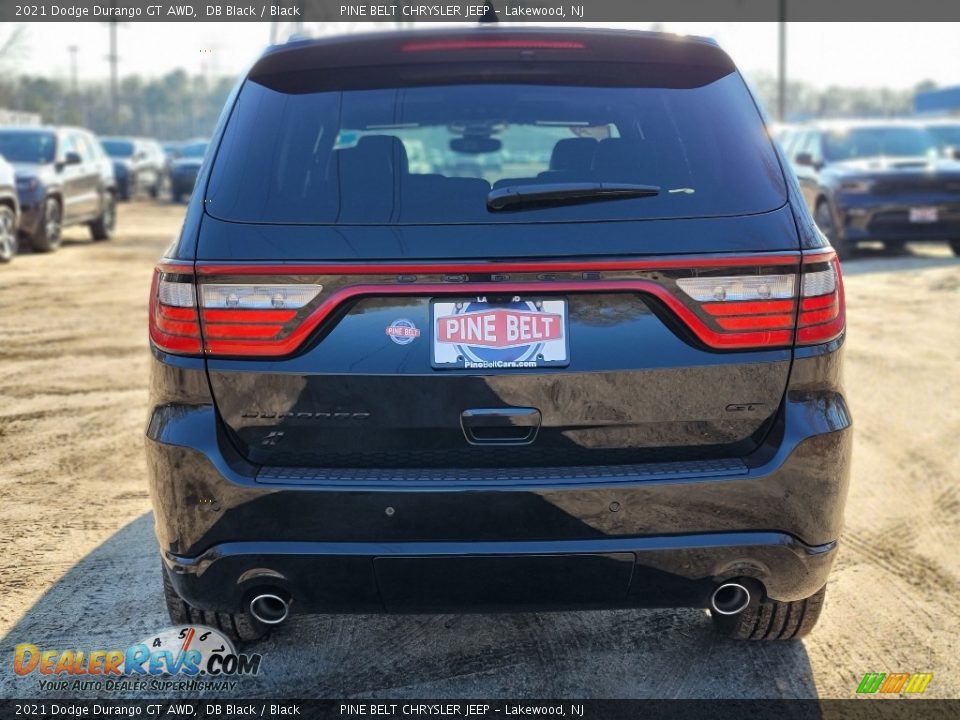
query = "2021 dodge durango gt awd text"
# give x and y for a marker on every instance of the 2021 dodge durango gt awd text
(497, 319)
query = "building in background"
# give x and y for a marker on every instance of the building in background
(945, 101)
(18, 117)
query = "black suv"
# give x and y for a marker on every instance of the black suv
(597, 365)
(877, 180)
(63, 178)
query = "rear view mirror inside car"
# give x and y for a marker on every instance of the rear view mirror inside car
(473, 145)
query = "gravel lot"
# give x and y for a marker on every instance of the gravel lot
(78, 565)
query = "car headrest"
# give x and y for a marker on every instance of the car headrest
(618, 159)
(573, 154)
(375, 157)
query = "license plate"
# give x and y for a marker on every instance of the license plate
(481, 333)
(923, 215)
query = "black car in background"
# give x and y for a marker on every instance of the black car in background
(139, 165)
(876, 180)
(63, 178)
(185, 167)
(599, 367)
(9, 211)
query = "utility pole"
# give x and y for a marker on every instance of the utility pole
(73, 69)
(782, 65)
(74, 85)
(114, 60)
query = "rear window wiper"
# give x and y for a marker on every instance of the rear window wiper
(519, 197)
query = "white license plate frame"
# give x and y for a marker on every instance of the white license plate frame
(479, 334)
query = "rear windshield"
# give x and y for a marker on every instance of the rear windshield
(946, 135)
(432, 154)
(863, 142)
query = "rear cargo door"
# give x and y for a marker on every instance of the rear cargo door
(365, 303)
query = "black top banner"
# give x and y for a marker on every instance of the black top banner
(451, 709)
(533, 11)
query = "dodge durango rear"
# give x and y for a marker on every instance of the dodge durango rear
(497, 319)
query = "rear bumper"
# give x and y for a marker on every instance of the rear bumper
(671, 571)
(625, 536)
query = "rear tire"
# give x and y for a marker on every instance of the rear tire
(824, 219)
(955, 247)
(239, 627)
(50, 234)
(8, 234)
(772, 619)
(102, 227)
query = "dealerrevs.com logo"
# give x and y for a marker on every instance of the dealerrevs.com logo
(191, 657)
(894, 683)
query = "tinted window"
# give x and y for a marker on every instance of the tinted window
(811, 145)
(431, 154)
(28, 147)
(859, 142)
(84, 147)
(786, 140)
(118, 148)
(946, 135)
(193, 150)
(68, 144)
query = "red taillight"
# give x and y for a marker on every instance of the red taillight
(728, 302)
(253, 318)
(249, 318)
(822, 313)
(519, 44)
(747, 310)
(174, 324)
(762, 310)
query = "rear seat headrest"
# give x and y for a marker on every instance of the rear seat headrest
(573, 154)
(378, 155)
(618, 157)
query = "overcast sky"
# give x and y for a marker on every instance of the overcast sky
(896, 55)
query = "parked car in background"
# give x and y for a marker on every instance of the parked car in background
(876, 180)
(63, 178)
(183, 170)
(171, 150)
(9, 211)
(947, 135)
(139, 165)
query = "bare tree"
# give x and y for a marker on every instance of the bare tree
(12, 45)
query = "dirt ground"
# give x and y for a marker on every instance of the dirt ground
(78, 565)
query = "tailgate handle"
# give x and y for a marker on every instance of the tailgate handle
(500, 426)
